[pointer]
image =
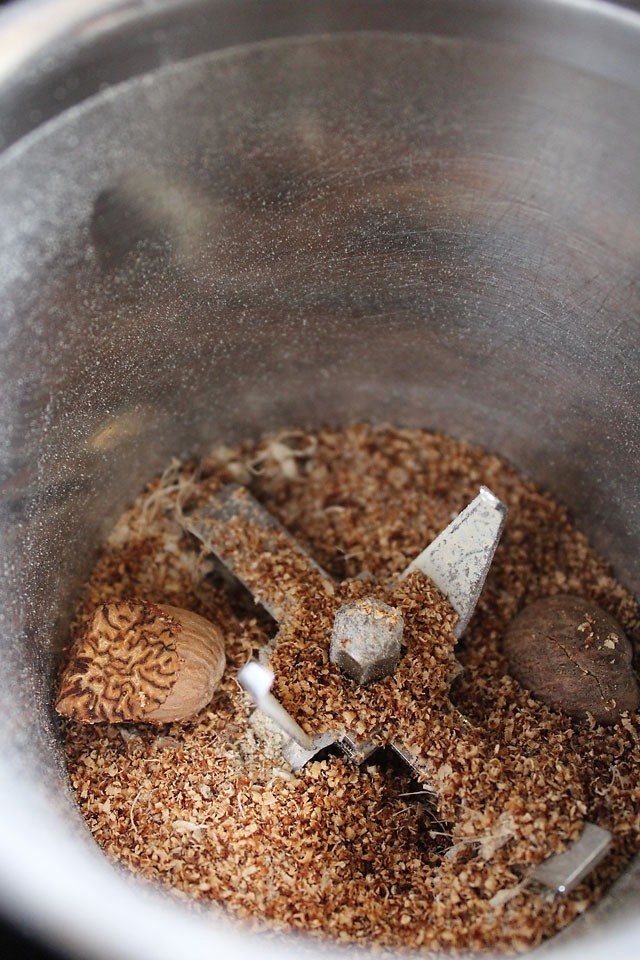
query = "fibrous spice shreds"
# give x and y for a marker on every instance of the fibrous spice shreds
(364, 853)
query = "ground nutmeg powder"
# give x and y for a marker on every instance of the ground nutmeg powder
(363, 853)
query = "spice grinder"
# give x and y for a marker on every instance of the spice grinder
(226, 216)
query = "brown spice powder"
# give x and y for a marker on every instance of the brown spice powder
(361, 854)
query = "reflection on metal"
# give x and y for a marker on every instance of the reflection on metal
(358, 750)
(564, 871)
(414, 763)
(366, 639)
(297, 756)
(257, 681)
(459, 559)
(115, 430)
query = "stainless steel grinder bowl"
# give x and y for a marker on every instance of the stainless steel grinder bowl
(220, 217)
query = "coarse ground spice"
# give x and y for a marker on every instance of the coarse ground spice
(363, 854)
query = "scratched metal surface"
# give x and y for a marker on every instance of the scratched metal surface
(433, 230)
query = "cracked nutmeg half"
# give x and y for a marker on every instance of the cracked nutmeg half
(574, 656)
(139, 662)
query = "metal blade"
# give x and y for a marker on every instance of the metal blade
(458, 560)
(257, 550)
(564, 871)
(257, 681)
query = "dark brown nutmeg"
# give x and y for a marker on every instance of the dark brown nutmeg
(141, 662)
(574, 656)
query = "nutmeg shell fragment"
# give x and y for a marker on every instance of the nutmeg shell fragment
(574, 656)
(139, 662)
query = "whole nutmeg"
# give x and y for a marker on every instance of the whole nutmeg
(574, 656)
(141, 662)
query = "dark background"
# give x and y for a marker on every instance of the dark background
(15, 944)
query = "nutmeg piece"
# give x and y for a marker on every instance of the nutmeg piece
(141, 662)
(574, 656)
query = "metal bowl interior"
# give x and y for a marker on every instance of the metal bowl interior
(430, 217)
